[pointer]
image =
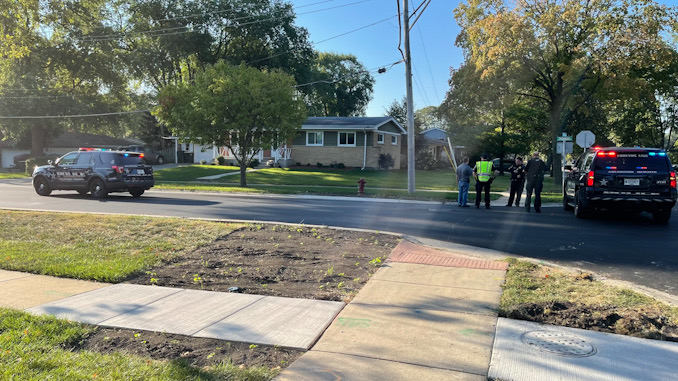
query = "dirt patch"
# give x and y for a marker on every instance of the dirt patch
(195, 351)
(645, 322)
(278, 260)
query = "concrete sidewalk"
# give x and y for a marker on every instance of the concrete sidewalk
(426, 314)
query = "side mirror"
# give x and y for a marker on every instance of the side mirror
(50, 162)
(568, 167)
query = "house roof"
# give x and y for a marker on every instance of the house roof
(435, 133)
(82, 139)
(349, 123)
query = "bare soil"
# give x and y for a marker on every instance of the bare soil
(645, 322)
(276, 260)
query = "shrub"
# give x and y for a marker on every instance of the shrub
(32, 162)
(203, 162)
(221, 160)
(254, 163)
(340, 166)
(320, 165)
(298, 164)
(386, 161)
(426, 161)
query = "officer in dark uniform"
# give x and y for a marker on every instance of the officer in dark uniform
(534, 174)
(517, 172)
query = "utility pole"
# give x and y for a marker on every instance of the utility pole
(410, 102)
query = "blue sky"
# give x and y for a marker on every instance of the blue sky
(431, 41)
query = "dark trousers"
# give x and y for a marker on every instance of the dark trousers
(516, 192)
(535, 185)
(479, 190)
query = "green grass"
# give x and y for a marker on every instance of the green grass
(192, 172)
(40, 348)
(13, 175)
(528, 283)
(95, 247)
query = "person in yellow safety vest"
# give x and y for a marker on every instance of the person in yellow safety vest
(484, 174)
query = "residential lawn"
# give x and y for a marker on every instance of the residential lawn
(41, 348)
(191, 172)
(13, 175)
(97, 247)
(432, 180)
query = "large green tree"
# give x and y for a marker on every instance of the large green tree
(48, 71)
(565, 49)
(238, 107)
(340, 86)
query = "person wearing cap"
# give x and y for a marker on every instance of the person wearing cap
(534, 174)
(517, 172)
(484, 174)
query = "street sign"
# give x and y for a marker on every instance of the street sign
(564, 138)
(585, 139)
(568, 147)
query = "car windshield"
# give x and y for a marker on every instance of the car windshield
(632, 161)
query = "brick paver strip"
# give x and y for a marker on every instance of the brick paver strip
(408, 252)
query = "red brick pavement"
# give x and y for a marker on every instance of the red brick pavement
(408, 252)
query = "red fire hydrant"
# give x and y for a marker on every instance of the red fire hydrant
(361, 187)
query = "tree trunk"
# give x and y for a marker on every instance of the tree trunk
(243, 171)
(37, 140)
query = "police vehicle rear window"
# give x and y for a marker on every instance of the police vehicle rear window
(120, 158)
(650, 162)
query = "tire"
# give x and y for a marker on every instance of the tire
(83, 192)
(662, 216)
(579, 210)
(160, 160)
(98, 189)
(136, 193)
(41, 186)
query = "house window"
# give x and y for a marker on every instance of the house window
(347, 139)
(380, 138)
(394, 139)
(314, 138)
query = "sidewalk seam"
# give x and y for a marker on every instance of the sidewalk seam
(399, 362)
(227, 316)
(459, 311)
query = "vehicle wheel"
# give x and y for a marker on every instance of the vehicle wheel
(83, 192)
(98, 188)
(579, 210)
(136, 193)
(160, 160)
(662, 216)
(41, 186)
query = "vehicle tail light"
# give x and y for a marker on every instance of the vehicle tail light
(141, 155)
(589, 179)
(672, 179)
(607, 153)
(118, 169)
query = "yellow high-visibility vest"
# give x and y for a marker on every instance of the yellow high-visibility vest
(484, 169)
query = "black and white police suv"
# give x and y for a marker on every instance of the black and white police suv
(632, 179)
(96, 171)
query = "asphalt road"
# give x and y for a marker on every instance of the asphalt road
(626, 247)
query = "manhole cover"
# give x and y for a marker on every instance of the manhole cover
(559, 343)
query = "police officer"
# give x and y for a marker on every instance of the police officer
(534, 174)
(484, 174)
(517, 172)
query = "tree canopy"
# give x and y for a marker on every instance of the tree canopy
(238, 107)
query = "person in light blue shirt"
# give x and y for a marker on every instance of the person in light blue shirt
(464, 173)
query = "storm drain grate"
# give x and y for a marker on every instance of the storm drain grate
(558, 343)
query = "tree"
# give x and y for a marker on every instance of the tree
(238, 107)
(340, 86)
(565, 48)
(398, 111)
(49, 71)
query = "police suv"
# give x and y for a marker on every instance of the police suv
(633, 179)
(96, 171)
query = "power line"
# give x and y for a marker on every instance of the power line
(183, 29)
(74, 116)
(381, 69)
(428, 63)
(423, 95)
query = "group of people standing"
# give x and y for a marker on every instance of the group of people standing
(530, 177)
